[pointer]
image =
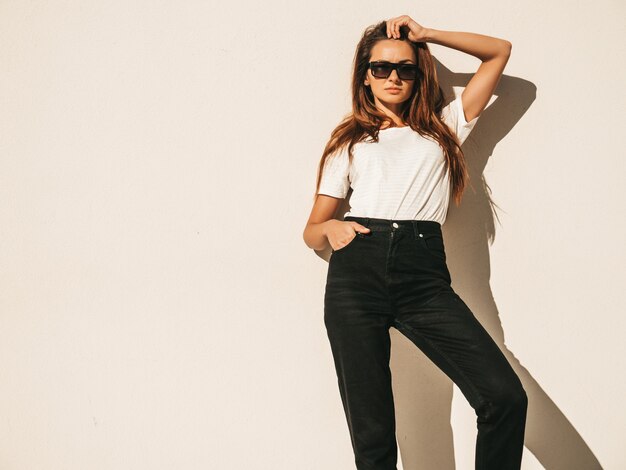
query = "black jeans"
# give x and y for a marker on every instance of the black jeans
(397, 275)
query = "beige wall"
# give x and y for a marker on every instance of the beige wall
(158, 306)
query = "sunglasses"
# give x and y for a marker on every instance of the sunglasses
(384, 69)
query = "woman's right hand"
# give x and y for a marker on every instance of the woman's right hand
(341, 233)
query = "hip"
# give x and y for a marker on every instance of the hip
(412, 248)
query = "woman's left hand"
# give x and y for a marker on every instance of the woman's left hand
(417, 33)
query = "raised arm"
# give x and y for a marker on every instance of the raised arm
(494, 54)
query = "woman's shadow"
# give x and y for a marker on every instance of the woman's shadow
(422, 392)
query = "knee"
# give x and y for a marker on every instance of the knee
(519, 399)
(510, 400)
(513, 399)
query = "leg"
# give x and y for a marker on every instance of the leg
(446, 331)
(360, 345)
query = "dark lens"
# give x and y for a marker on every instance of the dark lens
(407, 72)
(381, 70)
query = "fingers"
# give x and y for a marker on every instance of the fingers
(393, 26)
(359, 228)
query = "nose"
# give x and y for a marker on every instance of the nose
(391, 76)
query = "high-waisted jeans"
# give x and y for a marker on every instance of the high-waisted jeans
(396, 275)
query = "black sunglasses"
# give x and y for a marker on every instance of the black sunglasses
(404, 71)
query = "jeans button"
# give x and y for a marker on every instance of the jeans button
(395, 225)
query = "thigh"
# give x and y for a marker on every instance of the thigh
(357, 316)
(447, 331)
(357, 323)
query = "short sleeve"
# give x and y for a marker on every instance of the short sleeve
(454, 116)
(335, 179)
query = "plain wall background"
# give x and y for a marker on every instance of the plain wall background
(158, 306)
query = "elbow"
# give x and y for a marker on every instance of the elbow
(506, 47)
(305, 237)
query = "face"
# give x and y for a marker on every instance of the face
(395, 51)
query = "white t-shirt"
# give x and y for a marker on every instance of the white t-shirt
(403, 176)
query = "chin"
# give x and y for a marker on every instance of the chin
(394, 99)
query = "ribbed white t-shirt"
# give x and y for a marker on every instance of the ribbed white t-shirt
(402, 176)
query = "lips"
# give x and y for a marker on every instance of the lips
(392, 89)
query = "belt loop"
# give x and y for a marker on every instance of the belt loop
(415, 229)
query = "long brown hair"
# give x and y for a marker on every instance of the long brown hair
(421, 110)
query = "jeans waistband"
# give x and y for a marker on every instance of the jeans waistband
(388, 225)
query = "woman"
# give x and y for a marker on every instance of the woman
(400, 152)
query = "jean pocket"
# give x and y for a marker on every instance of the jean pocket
(433, 243)
(350, 243)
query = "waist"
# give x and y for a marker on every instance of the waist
(388, 225)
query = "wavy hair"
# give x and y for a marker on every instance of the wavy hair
(421, 110)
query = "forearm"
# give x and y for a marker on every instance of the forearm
(315, 236)
(478, 45)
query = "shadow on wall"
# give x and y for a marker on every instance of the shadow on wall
(422, 392)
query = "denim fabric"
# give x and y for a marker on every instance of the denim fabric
(396, 275)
